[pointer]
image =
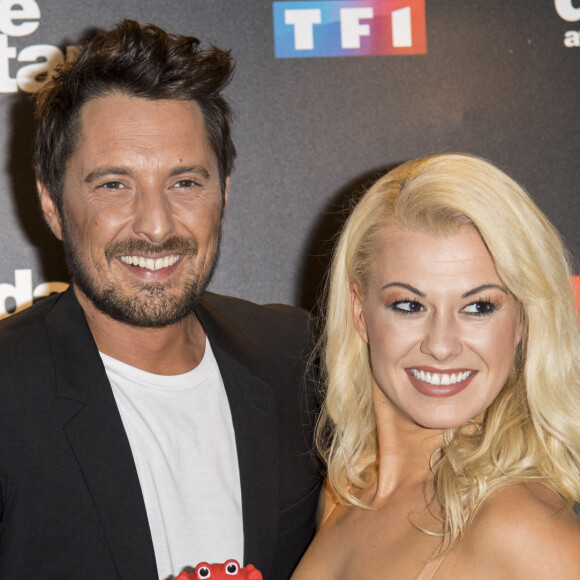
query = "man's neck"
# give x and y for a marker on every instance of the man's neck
(171, 350)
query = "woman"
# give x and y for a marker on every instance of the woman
(451, 426)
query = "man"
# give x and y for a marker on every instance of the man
(146, 425)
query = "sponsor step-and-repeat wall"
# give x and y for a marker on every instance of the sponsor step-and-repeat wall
(328, 95)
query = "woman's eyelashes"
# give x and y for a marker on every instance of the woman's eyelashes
(406, 306)
(480, 307)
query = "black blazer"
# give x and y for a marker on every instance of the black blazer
(70, 501)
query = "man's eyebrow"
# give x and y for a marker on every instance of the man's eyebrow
(104, 172)
(114, 171)
(199, 169)
(403, 285)
(482, 288)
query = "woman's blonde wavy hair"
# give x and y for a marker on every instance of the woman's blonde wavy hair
(531, 432)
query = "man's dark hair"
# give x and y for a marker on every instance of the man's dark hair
(142, 61)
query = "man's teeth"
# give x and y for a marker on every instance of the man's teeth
(150, 263)
(440, 378)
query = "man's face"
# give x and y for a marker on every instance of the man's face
(142, 208)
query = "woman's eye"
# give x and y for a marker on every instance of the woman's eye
(480, 308)
(406, 306)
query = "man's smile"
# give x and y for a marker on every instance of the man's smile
(151, 263)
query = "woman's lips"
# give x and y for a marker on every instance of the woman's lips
(438, 383)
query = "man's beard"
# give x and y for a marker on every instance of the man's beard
(151, 305)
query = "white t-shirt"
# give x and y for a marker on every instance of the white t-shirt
(182, 438)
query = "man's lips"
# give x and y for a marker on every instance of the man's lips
(146, 256)
(439, 383)
(149, 263)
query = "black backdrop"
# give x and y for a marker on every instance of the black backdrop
(499, 79)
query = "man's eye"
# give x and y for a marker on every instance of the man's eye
(480, 308)
(186, 183)
(406, 306)
(112, 185)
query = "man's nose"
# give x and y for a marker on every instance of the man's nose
(153, 216)
(442, 339)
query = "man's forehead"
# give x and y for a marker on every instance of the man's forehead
(115, 108)
(118, 130)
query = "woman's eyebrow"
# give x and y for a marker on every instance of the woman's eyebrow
(466, 295)
(482, 288)
(407, 286)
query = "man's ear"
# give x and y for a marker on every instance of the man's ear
(358, 315)
(50, 211)
(226, 193)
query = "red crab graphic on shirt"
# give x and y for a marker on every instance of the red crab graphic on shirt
(229, 570)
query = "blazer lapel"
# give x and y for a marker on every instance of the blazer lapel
(253, 407)
(99, 442)
(101, 447)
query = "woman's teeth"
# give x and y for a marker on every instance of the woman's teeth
(441, 378)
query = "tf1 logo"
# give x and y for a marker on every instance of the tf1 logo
(349, 28)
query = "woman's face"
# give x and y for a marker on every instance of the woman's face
(441, 326)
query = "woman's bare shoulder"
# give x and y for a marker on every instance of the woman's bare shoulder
(522, 530)
(314, 563)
